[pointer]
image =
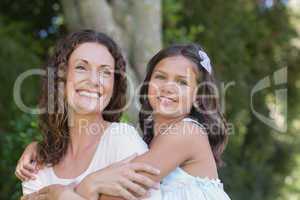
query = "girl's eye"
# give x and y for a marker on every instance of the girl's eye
(182, 82)
(158, 76)
(80, 67)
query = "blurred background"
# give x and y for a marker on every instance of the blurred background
(247, 40)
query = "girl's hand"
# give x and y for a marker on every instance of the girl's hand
(51, 192)
(27, 167)
(119, 179)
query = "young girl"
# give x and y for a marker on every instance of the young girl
(182, 124)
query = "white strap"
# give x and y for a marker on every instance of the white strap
(193, 121)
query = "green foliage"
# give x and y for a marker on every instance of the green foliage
(24, 130)
(27, 31)
(247, 42)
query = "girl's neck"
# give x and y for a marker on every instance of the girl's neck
(85, 130)
(162, 123)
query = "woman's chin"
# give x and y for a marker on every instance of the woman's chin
(87, 108)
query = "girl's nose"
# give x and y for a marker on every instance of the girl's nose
(169, 87)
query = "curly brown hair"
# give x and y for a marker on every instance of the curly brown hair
(214, 122)
(54, 121)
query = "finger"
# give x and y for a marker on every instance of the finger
(143, 180)
(25, 197)
(29, 167)
(44, 191)
(129, 158)
(133, 187)
(125, 194)
(145, 167)
(19, 174)
(31, 196)
(27, 173)
(41, 197)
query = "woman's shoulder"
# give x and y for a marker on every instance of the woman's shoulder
(43, 179)
(125, 141)
(123, 130)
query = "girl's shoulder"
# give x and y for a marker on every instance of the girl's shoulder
(187, 127)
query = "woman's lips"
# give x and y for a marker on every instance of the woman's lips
(87, 93)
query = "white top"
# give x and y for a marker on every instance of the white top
(179, 185)
(119, 141)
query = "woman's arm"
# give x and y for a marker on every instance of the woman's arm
(54, 192)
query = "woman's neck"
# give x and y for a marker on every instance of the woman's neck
(85, 130)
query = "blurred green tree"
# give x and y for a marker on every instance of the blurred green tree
(247, 41)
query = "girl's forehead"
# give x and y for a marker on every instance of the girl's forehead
(177, 65)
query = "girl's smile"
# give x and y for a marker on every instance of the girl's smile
(172, 86)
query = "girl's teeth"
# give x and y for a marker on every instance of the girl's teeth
(88, 94)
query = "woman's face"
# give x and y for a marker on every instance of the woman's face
(172, 86)
(90, 78)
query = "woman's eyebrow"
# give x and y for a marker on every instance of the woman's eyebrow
(87, 62)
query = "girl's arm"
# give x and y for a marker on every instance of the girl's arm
(27, 168)
(170, 150)
(118, 179)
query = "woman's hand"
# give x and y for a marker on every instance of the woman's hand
(119, 179)
(27, 167)
(53, 192)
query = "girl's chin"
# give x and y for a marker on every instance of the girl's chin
(167, 113)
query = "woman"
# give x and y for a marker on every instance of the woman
(81, 133)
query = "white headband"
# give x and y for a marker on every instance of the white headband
(205, 61)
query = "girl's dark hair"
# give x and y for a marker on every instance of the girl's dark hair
(54, 122)
(206, 109)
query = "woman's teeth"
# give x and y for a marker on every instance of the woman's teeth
(89, 94)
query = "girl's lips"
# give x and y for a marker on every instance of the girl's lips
(166, 101)
(167, 98)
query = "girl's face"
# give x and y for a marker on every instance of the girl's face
(90, 78)
(173, 86)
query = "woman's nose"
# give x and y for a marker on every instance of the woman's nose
(94, 78)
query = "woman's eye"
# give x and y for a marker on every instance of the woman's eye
(80, 67)
(106, 73)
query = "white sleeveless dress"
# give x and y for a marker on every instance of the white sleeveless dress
(119, 141)
(179, 185)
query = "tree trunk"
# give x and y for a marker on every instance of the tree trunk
(134, 24)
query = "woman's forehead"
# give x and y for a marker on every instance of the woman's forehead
(93, 53)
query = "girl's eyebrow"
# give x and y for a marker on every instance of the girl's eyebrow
(179, 76)
(87, 62)
(159, 71)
